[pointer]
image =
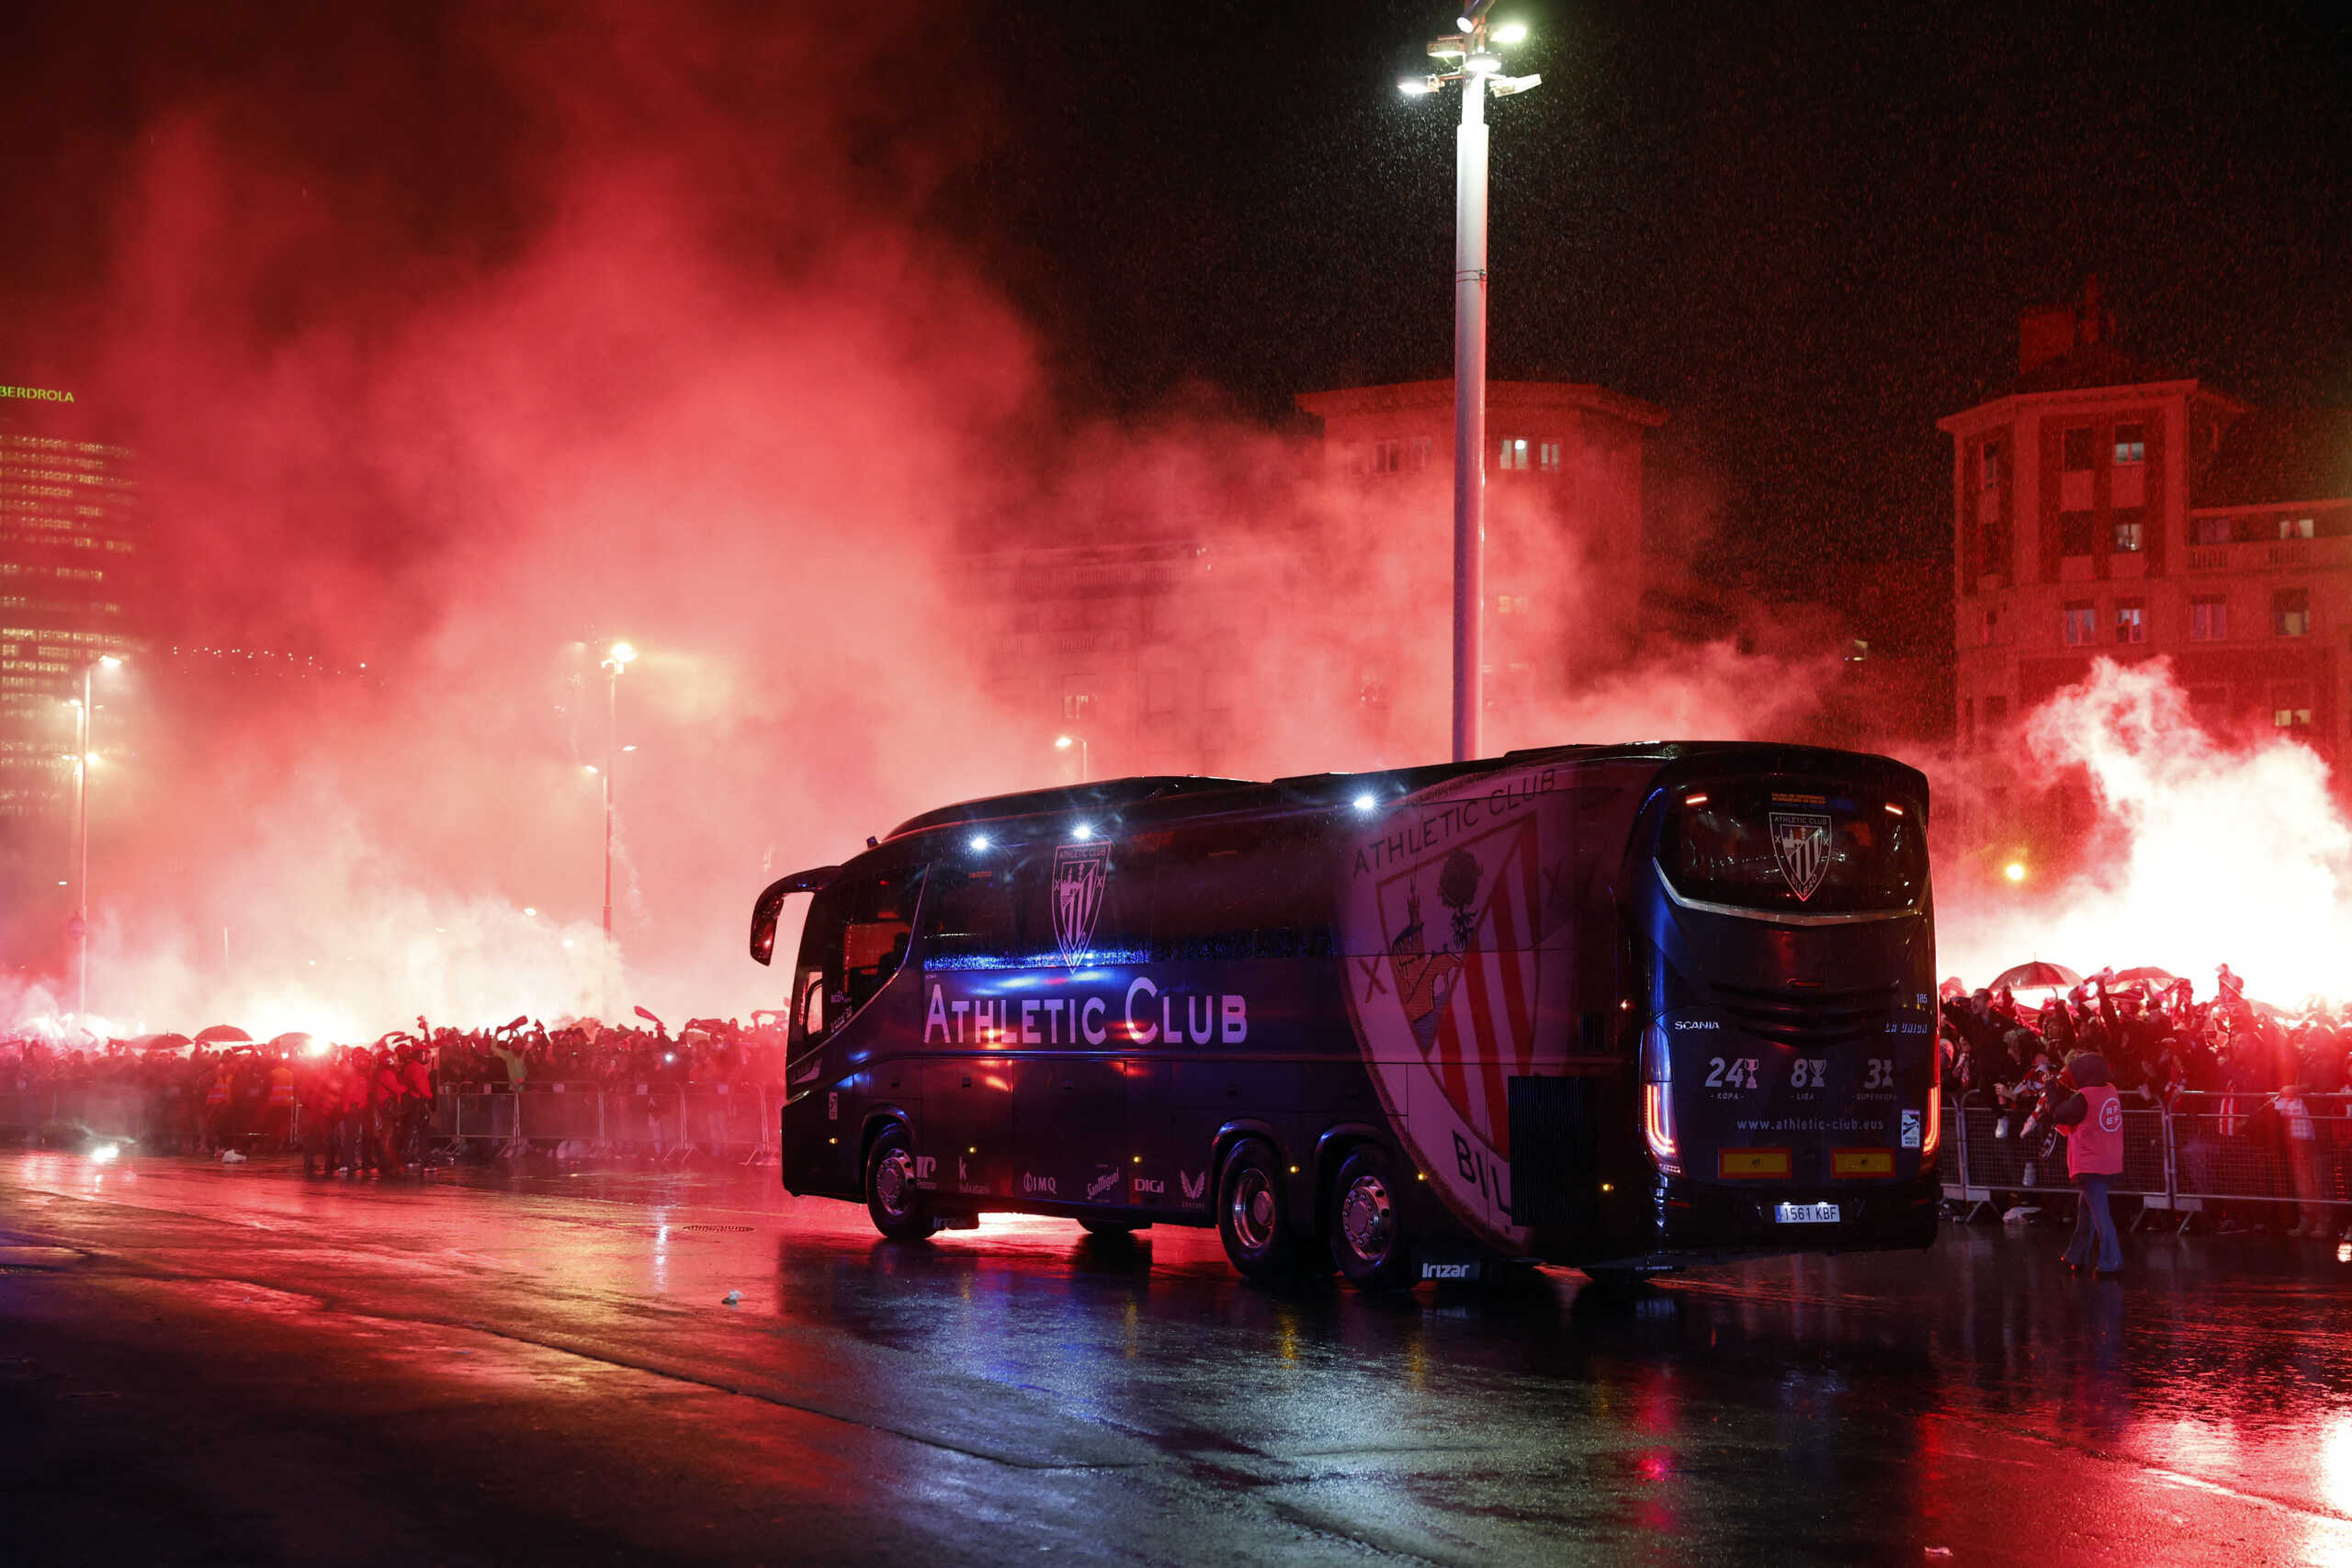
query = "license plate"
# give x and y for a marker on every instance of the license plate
(1806, 1214)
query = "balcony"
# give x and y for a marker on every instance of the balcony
(2271, 555)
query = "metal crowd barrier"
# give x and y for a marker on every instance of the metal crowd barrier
(2208, 1149)
(736, 1122)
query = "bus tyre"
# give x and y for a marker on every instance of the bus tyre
(902, 1211)
(1368, 1239)
(1251, 1217)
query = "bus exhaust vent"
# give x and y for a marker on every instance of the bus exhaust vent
(1810, 1017)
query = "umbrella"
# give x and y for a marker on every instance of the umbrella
(2035, 977)
(221, 1033)
(292, 1040)
(161, 1042)
(2148, 972)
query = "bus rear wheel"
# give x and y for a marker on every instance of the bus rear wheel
(1369, 1241)
(1253, 1220)
(901, 1210)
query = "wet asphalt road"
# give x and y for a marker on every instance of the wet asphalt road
(201, 1365)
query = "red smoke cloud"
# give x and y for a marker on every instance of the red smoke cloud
(671, 370)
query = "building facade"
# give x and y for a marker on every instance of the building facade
(70, 549)
(1259, 633)
(2104, 508)
(1565, 470)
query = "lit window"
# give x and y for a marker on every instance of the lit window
(1077, 705)
(2290, 612)
(1519, 604)
(1503, 604)
(2291, 719)
(2209, 618)
(1548, 456)
(1514, 452)
(2130, 622)
(1420, 453)
(1387, 456)
(2127, 537)
(2294, 527)
(2131, 445)
(2082, 623)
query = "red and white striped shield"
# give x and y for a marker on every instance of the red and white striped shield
(1443, 918)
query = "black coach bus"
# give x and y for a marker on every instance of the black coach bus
(1622, 1007)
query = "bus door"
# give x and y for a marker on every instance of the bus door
(850, 1025)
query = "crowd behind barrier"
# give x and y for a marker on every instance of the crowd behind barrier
(581, 1089)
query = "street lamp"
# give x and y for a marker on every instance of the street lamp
(617, 659)
(1479, 70)
(82, 757)
(1064, 742)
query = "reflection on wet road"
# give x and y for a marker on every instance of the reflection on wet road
(487, 1367)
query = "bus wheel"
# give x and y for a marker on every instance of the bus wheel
(1251, 1219)
(902, 1211)
(1120, 1228)
(1368, 1239)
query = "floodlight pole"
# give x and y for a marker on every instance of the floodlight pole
(82, 874)
(1469, 416)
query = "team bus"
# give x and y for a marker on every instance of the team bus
(1628, 1008)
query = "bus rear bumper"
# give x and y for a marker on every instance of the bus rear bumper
(1691, 1222)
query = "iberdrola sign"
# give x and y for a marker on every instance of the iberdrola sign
(37, 394)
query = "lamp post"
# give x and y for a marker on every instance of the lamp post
(1480, 73)
(1064, 742)
(82, 758)
(617, 659)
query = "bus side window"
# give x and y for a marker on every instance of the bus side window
(1256, 890)
(967, 920)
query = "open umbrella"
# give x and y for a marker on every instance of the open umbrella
(2036, 977)
(161, 1042)
(224, 1033)
(292, 1040)
(2148, 972)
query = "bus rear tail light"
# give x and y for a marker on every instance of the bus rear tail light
(1934, 1136)
(1657, 1126)
(1657, 1101)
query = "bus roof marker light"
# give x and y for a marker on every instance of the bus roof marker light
(1366, 803)
(1698, 799)
(1082, 832)
(1893, 810)
(977, 842)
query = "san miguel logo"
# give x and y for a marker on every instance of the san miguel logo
(1801, 844)
(1079, 872)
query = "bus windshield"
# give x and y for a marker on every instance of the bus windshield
(1777, 845)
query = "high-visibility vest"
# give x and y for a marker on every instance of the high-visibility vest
(218, 1093)
(281, 1086)
(2095, 1145)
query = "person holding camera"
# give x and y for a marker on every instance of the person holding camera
(2091, 1119)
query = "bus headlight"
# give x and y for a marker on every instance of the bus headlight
(1657, 1101)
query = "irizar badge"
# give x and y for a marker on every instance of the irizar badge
(1801, 844)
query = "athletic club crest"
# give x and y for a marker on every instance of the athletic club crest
(1801, 843)
(1080, 871)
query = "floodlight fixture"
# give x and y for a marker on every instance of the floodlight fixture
(1512, 32)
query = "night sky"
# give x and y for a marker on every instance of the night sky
(1805, 230)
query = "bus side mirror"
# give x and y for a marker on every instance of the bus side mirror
(769, 905)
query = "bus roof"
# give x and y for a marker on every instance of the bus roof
(1311, 790)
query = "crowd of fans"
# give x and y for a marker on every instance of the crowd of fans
(2244, 1071)
(368, 1107)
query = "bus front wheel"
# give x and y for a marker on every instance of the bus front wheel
(1368, 1239)
(1252, 1219)
(902, 1211)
